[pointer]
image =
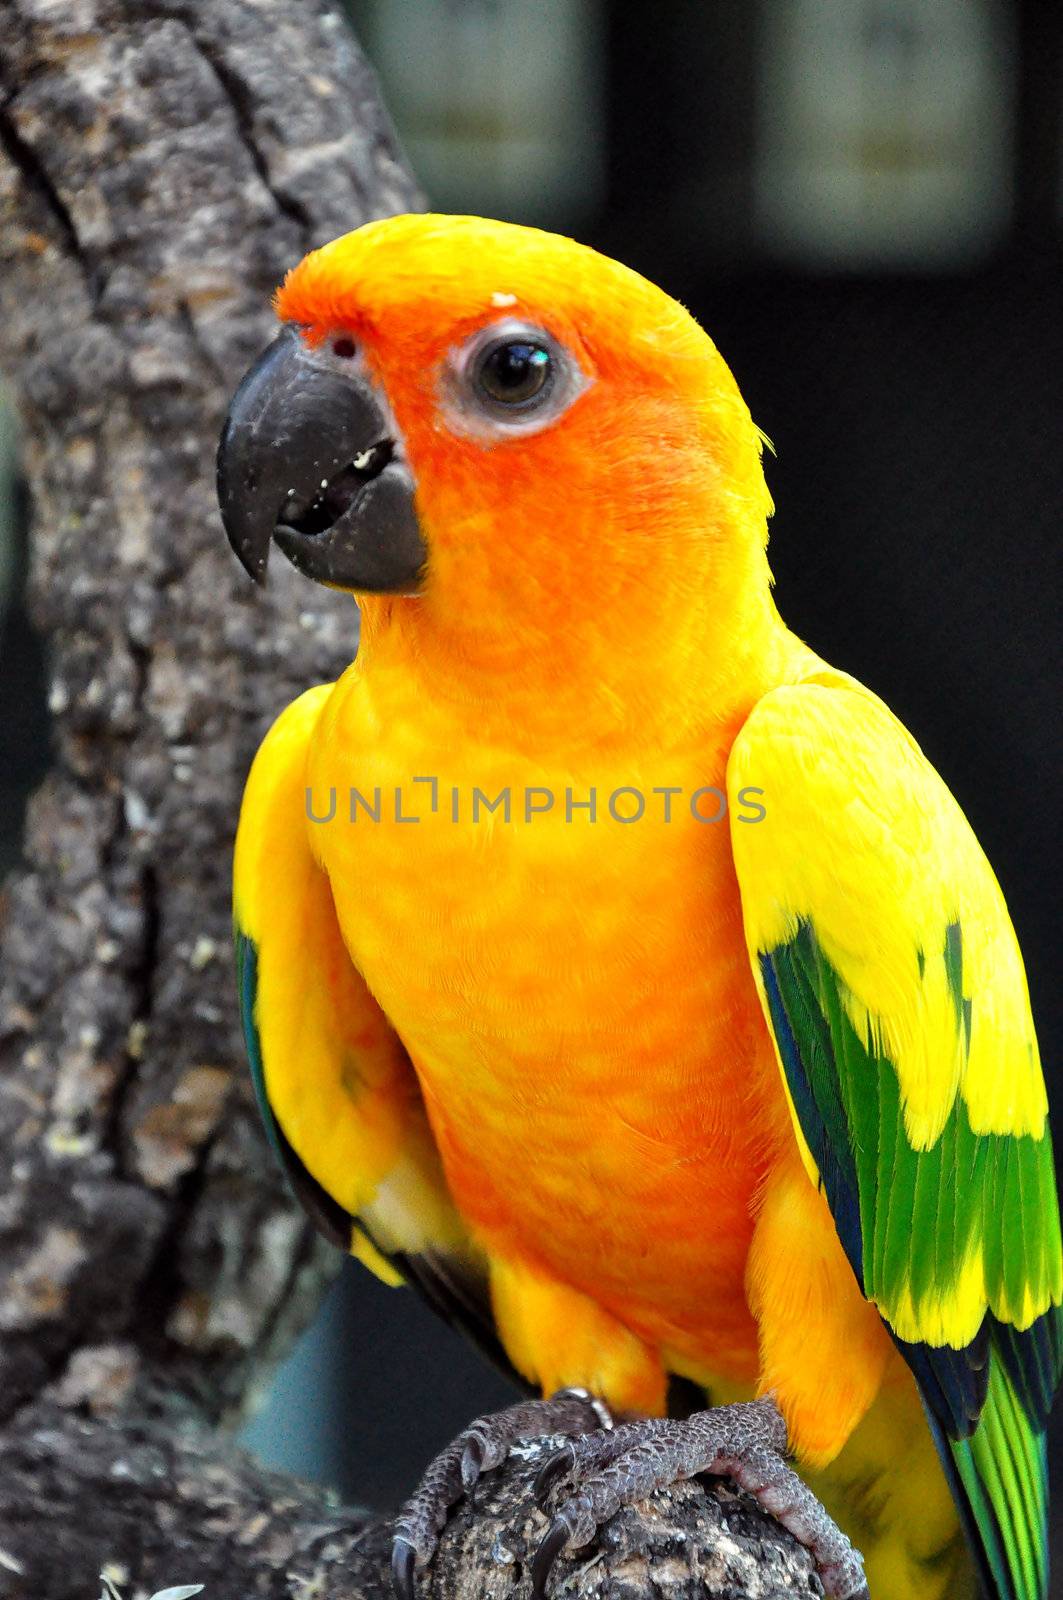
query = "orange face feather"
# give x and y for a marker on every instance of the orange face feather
(642, 506)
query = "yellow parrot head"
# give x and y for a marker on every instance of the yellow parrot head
(494, 420)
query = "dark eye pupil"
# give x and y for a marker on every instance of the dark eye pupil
(516, 372)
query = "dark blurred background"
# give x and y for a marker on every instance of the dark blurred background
(862, 200)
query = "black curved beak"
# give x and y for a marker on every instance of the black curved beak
(309, 457)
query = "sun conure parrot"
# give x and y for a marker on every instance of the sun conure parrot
(613, 968)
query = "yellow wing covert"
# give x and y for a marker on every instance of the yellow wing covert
(335, 1086)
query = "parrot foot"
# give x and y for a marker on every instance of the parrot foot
(746, 1443)
(482, 1445)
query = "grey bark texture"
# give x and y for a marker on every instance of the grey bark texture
(162, 162)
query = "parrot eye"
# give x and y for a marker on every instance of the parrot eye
(514, 373)
(510, 379)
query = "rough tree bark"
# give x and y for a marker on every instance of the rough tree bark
(161, 163)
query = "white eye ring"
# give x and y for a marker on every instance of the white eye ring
(473, 409)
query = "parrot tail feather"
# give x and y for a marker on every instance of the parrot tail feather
(999, 1478)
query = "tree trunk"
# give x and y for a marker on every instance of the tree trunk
(162, 162)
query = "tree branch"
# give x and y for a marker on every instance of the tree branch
(169, 1509)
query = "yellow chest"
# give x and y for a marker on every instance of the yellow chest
(560, 948)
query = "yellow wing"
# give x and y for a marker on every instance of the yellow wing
(335, 1087)
(892, 983)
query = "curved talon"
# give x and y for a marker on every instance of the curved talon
(602, 1414)
(403, 1559)
(472, 1460)
(549, 1548)
(556, 1465)
(606, 1420)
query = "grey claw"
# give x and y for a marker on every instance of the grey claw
(550, 1547)
(403, 1558)
(556, 1465)
(465, 1462)
(472, 1460)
